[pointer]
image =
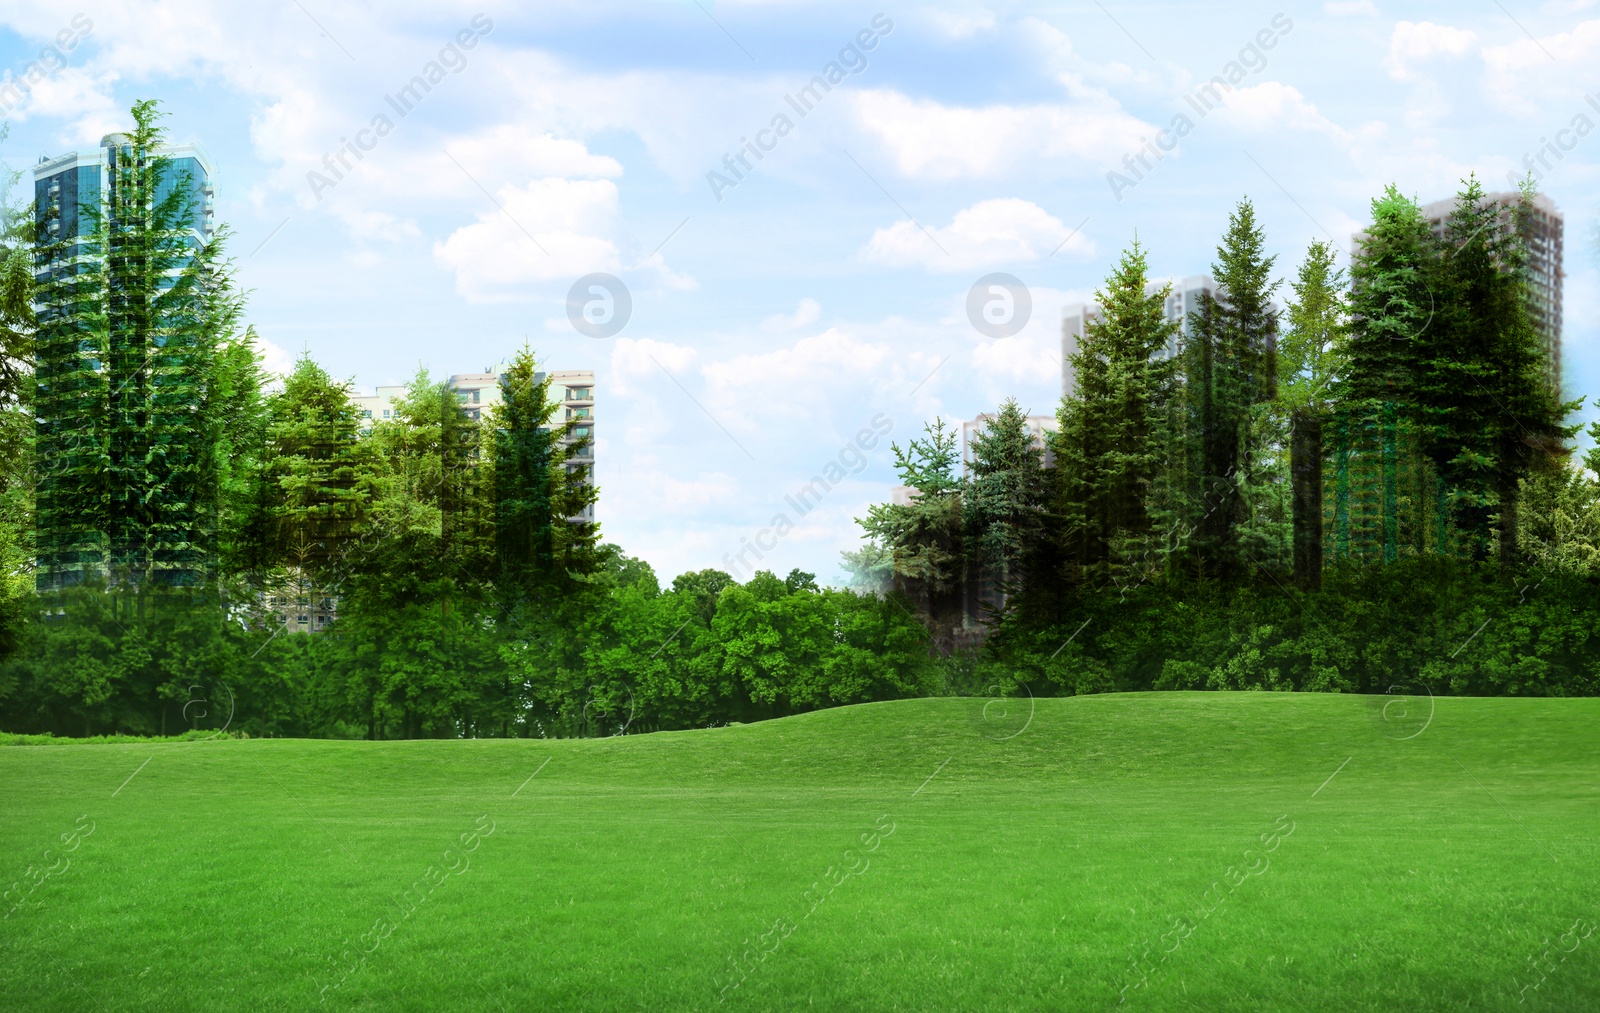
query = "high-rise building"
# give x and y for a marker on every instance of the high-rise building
(101, 389)
(1182, 300)
(63, 185)
(1546, 227)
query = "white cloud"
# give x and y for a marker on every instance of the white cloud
(808, 312)
(990, 233)
(1272, 106)
(959, 24)
(548, 230)
(935, 141)
(1414, 43)
(1528, 76)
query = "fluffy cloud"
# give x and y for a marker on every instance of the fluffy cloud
(545, 231)
(1417, 42)
(990, 233)
(808, 312)
(1528, 75)
(932, 140)
(1272, 106)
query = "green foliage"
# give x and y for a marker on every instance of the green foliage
(1116, 429)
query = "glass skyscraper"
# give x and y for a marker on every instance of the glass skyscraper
(115, 375)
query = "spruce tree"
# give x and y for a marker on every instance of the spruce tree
(132, 313)
(1230, 375)
(1114, 437)
(1007, 492)
(925, 535)
(542, 543)
(1310, 361)
(1396, 286)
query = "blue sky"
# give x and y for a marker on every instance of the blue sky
(769, 326)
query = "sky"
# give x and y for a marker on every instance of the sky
(799, 264)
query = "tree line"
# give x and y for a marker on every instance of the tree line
(1231, 515)
(168, 505)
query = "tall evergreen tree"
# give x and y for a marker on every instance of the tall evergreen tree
(1490, 414)
(132, 312)
(323, 476)
(1310, 362)
(1230, 375)
(1007, 494)
(1114, 432)
(542, 541)
(925, 535)
(1395, 300)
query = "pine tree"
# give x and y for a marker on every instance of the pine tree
(1310, 361)
(323, 476)
(132, 313)
(1396, 285)
(542, 543)
(1007, 490)
(925, 535)
(1113, 439)
(1230, 376)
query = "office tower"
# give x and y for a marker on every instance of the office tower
(1545, 229)
(1183, 300)
(116, 371)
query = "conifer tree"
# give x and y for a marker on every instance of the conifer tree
(1310, 362)
(1396, 286)
(542, 541)
(925, 535)
(1230, 375)
(1114, 437)
(323, 475)
(1492, 414)
(132, 313)
(1007, 491)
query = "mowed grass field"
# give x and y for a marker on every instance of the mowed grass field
(1171, 851)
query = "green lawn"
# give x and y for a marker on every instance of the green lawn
(1173, 850)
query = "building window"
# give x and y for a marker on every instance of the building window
(578, 393)
(386, 413)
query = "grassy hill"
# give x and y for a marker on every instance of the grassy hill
(1165, 851)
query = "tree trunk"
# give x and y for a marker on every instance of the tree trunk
(1390, 504)
(1508, 520)
(1341, 491)
(1305, 470)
